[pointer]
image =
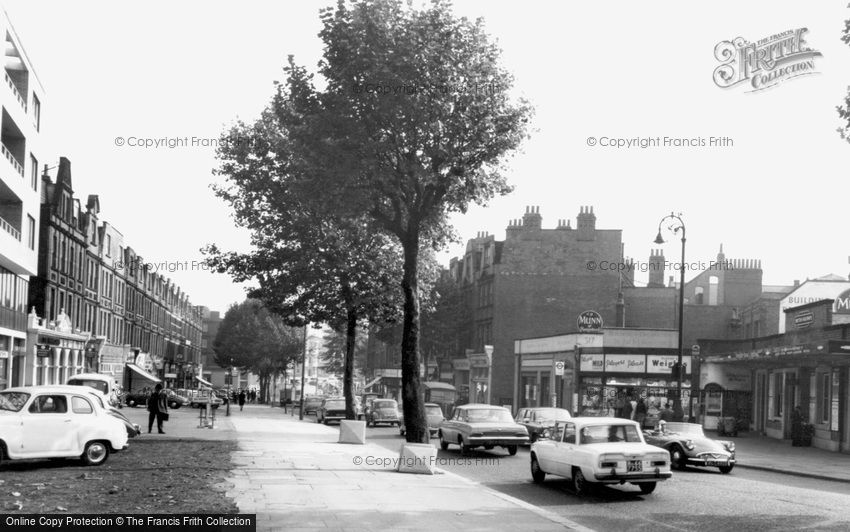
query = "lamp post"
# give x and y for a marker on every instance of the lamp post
(488, 350)
(676, 225)
(303, 375)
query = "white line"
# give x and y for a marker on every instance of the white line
(546, 514)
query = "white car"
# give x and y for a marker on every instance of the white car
(599, 450)
(57, 422)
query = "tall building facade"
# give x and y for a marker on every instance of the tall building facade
(20, 143)
(95, 284)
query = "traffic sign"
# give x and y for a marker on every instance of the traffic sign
(559, 367)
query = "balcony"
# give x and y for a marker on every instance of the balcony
(11, 158)
(15, 91)
(6, 226)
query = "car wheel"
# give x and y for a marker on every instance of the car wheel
(318, 420)
(464, 449)
(512, 450)
(677, 457)
(580, 484)
(401, 430)
(726, 469)
(325, 421)
(131, 403)
(95, 453)
(172, 404)
(647, 487)
(537, 474)
(444, 445)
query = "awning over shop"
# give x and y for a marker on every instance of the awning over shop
(144, 374)
(204, 382)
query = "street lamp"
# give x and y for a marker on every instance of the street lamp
(303, 376)
(676, 225)
(488, 350)
(229, 384)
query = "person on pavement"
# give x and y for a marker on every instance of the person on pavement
(157, 408)
(797, 427)
(241, 400)
(640, 412)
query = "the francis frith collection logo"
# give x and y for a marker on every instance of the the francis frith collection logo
(764, 63)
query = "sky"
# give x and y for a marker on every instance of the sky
(608, 70)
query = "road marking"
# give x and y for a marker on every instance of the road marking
(546, 514)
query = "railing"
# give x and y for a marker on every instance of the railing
(14, 162)
(6, 226)
(17, 94)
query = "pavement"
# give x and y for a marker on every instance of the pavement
(295, 476)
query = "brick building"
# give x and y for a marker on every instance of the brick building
(101, 288)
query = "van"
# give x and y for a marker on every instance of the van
(105, 384)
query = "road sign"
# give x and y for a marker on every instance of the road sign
(695, 350)
(559, 367)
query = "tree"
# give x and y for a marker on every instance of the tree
(412, 125)
(844, 110)
(252, 338)
(334, 351)
(442, 324)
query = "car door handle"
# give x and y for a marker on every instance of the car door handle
(67, 421)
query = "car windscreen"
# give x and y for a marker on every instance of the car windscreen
(13, 401)
(685, 429)
(478, 415)
(551, 414)
(609, 434)
(97, 385)
(385, 404)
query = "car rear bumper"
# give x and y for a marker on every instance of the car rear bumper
(633, 477)
(503, 441)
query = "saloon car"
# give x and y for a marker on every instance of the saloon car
(599, 450)
(482, 425)
(434, 415)
(383, 411)
(688, 445)
(133, 429)
(331, 409)
(537, 420)
(57, 422)
(312, 404)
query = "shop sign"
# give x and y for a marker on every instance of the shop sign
(803, 319)
(43, 350)
(4, 354)
(461, 364)
(625, 363)
(589, 321)
(592, 363)
(170, 375)
(664, 363)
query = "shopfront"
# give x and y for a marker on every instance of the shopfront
(593, 373)
(56, 352)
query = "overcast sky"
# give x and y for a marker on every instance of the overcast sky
(617, 69)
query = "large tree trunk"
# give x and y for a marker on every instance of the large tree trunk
(415, 422)
(348, 371)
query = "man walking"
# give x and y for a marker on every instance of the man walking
(241, 400)
(157, 408)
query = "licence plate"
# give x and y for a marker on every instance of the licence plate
(717, 462)
(634, 465)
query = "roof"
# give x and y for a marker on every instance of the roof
(480, 405)
(592, 420)
(64, 388)
(435, 385)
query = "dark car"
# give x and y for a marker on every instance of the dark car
(331, 409)
(312, 404)
(383, 411)
(536, 420)
(688, 445)
(176, 400)
(433, 413)
(136, 398)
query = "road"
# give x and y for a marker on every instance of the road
(693, 500)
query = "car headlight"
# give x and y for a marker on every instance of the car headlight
(689, 445)
(730, 446)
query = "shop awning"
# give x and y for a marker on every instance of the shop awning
(143, 373)
(204, 382)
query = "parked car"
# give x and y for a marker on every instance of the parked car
(176, 400)
(312, 404)
(136, 398)
(105, 384)
(331, 409)
(366, 400)
(688, 445)
(435, 418)
(57, 422)
(200, 399)
(482, 425)
(382, 411)
(133, 429)
(537, 420)
(599, 450)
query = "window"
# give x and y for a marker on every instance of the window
(31, 228)
(569, 433)
(49, 404)
(36, 112)
(108, 245)
(698, 295)
(825, 398)
(713, 285)
(33, 172)
(81, 406)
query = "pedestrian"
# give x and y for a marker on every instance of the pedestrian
(241, 399)
(157, 408)
(666, 413)
(797, 427)
(640, 412)
(627, 409)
